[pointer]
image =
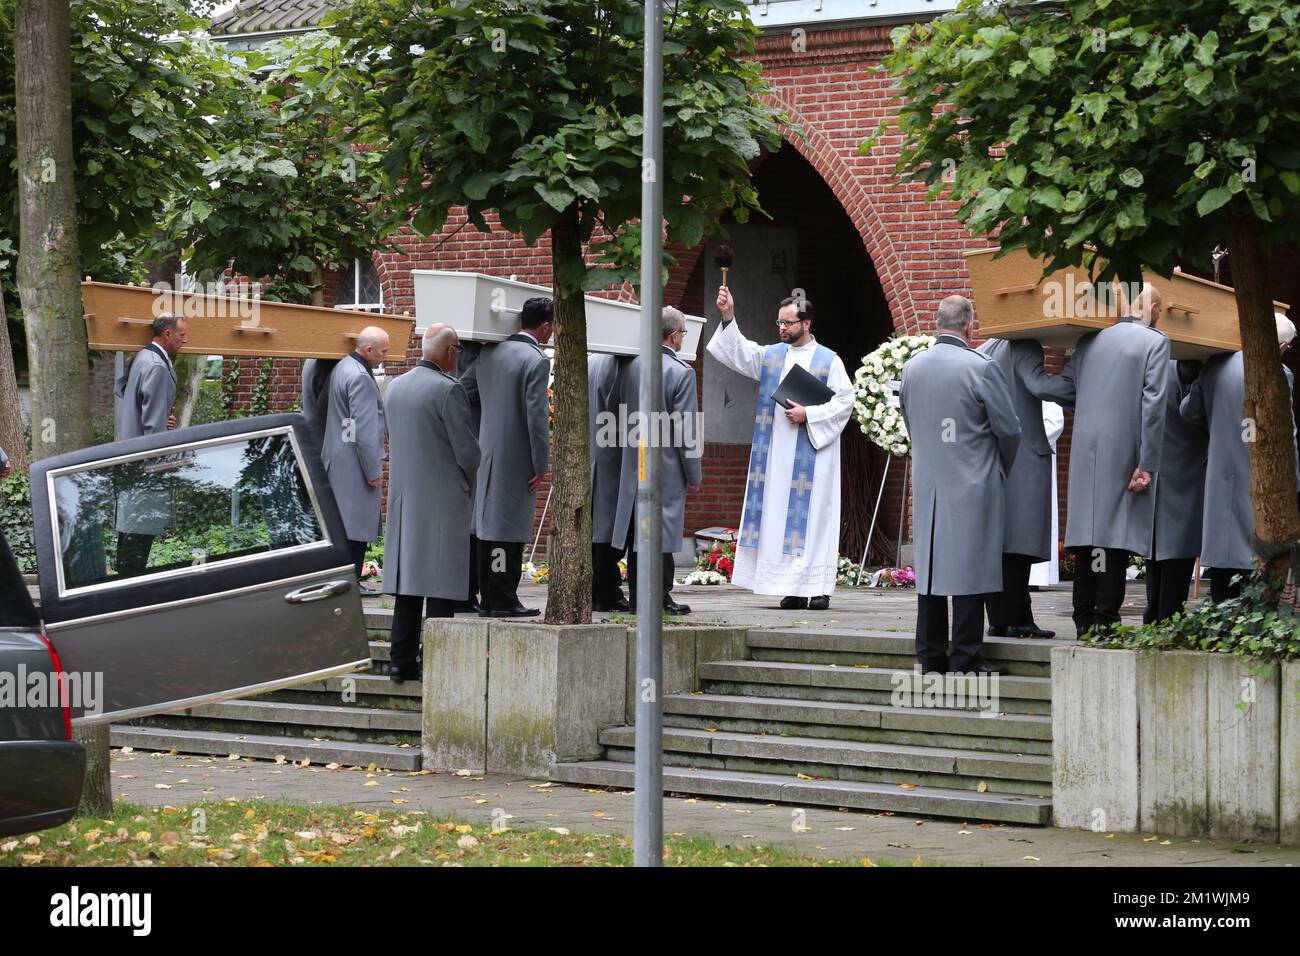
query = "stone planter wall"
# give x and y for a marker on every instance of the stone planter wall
(520, 697)
(1176, 742)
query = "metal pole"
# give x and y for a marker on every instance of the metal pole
(883, 479)
(648, 825)
(532, 556)
(902, 516)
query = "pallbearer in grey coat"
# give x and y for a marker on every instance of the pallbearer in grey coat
(603, 393)
(510, 381)
(678, 437)
(1028, 488)
(432, 465)
(1121, 378)
(353, 448)
(1179, 489)
(144, 407)
(965, 434)
(1217, 402)
(315, 395)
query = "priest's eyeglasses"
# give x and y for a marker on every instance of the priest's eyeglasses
(786, 323)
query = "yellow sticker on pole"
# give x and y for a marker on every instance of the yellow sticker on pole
(640, 455)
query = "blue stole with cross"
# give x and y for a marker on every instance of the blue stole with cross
(805, 456)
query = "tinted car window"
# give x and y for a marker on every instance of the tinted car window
(160, 513)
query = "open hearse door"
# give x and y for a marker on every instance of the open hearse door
(195, 566)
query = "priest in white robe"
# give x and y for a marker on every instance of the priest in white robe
(789, 540)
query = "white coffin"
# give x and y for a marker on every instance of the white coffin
(485, 308)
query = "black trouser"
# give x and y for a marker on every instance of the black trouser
(1221, 586)
(606, 581)
(932, 632)
(408, 616)
(473, 570)
(1168, 582)
(357, 552)
(631, 576)
(1010, 607)
(133, 553)
(499, 565)
(1098, 592)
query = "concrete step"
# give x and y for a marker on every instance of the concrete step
(887, 649)
(780, 788)
(858, 683)
(266, 747)
(846, 755)
(297, 719)
(1005, 733)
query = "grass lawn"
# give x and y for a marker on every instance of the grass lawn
(262, 833)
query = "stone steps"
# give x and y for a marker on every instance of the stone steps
(845, 760)
(266, 747)
(853, 684)
(781, 788)
(373, 725)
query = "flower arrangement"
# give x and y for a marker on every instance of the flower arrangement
(715, 565)
(371, 569)
(893, 578)
(540, 573)
(875, 384)
(846, 572)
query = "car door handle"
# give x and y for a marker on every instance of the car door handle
(317, 592)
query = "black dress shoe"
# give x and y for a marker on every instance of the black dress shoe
(820, 603)
(1033, 630)
(672, 607)
(794, 603)
(467, 607)
(399, 674)
(991, 670)
(367, 591)
(1000, 632)
(519, 611)
(619, 605)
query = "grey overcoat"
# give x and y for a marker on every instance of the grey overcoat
(603, 374)
(1180, 486)
(679, 449)
(432, 464)
(510, 380)
(353, 449)
(315, 398)
(1029, 484)
(964, 432)
(146, 394)
(1121, 378)
(1217, 402)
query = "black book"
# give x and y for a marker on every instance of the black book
(801, 387)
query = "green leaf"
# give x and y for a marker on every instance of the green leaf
(1043, 57)
(557, 197)
(478, 185)
(1291, 180)
(1132, 177)
(1212, 200)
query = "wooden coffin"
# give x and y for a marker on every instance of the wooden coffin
(483, 308)
(1013, 301)
(118, 319)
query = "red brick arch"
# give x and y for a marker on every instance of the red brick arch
(829, 162)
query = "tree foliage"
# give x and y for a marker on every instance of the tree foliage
(1140, 128)
(533, 109)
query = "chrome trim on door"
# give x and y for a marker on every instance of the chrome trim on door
(289, 430)
(197, 599)
(317, 592)
(175, 705)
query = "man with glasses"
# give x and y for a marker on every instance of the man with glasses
(1217, 402)
(789, 538)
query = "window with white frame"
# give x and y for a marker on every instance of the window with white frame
(360, 288)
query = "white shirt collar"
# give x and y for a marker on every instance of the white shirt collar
(531, 336)
(161, 351)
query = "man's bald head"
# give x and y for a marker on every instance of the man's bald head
(373, 345)
(955, 316)
(441, 343)
(1147, 306)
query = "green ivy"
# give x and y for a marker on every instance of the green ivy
(262, 393)
(1246, 626)
(16, 520)
(229, 382)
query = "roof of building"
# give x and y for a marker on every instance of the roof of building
(271, 16)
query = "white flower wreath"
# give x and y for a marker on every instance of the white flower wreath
(875, 386)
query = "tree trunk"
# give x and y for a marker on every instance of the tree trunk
(189, 370)
(1268, 407)
(48, 256)
(317, 280)
(48, 261)
(568, 599)
(11, 410)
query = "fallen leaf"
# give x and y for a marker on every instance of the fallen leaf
(467, 842)
(562, 831)
(983, 787)
(1032, 859)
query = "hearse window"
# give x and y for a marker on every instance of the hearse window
(182, 508)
